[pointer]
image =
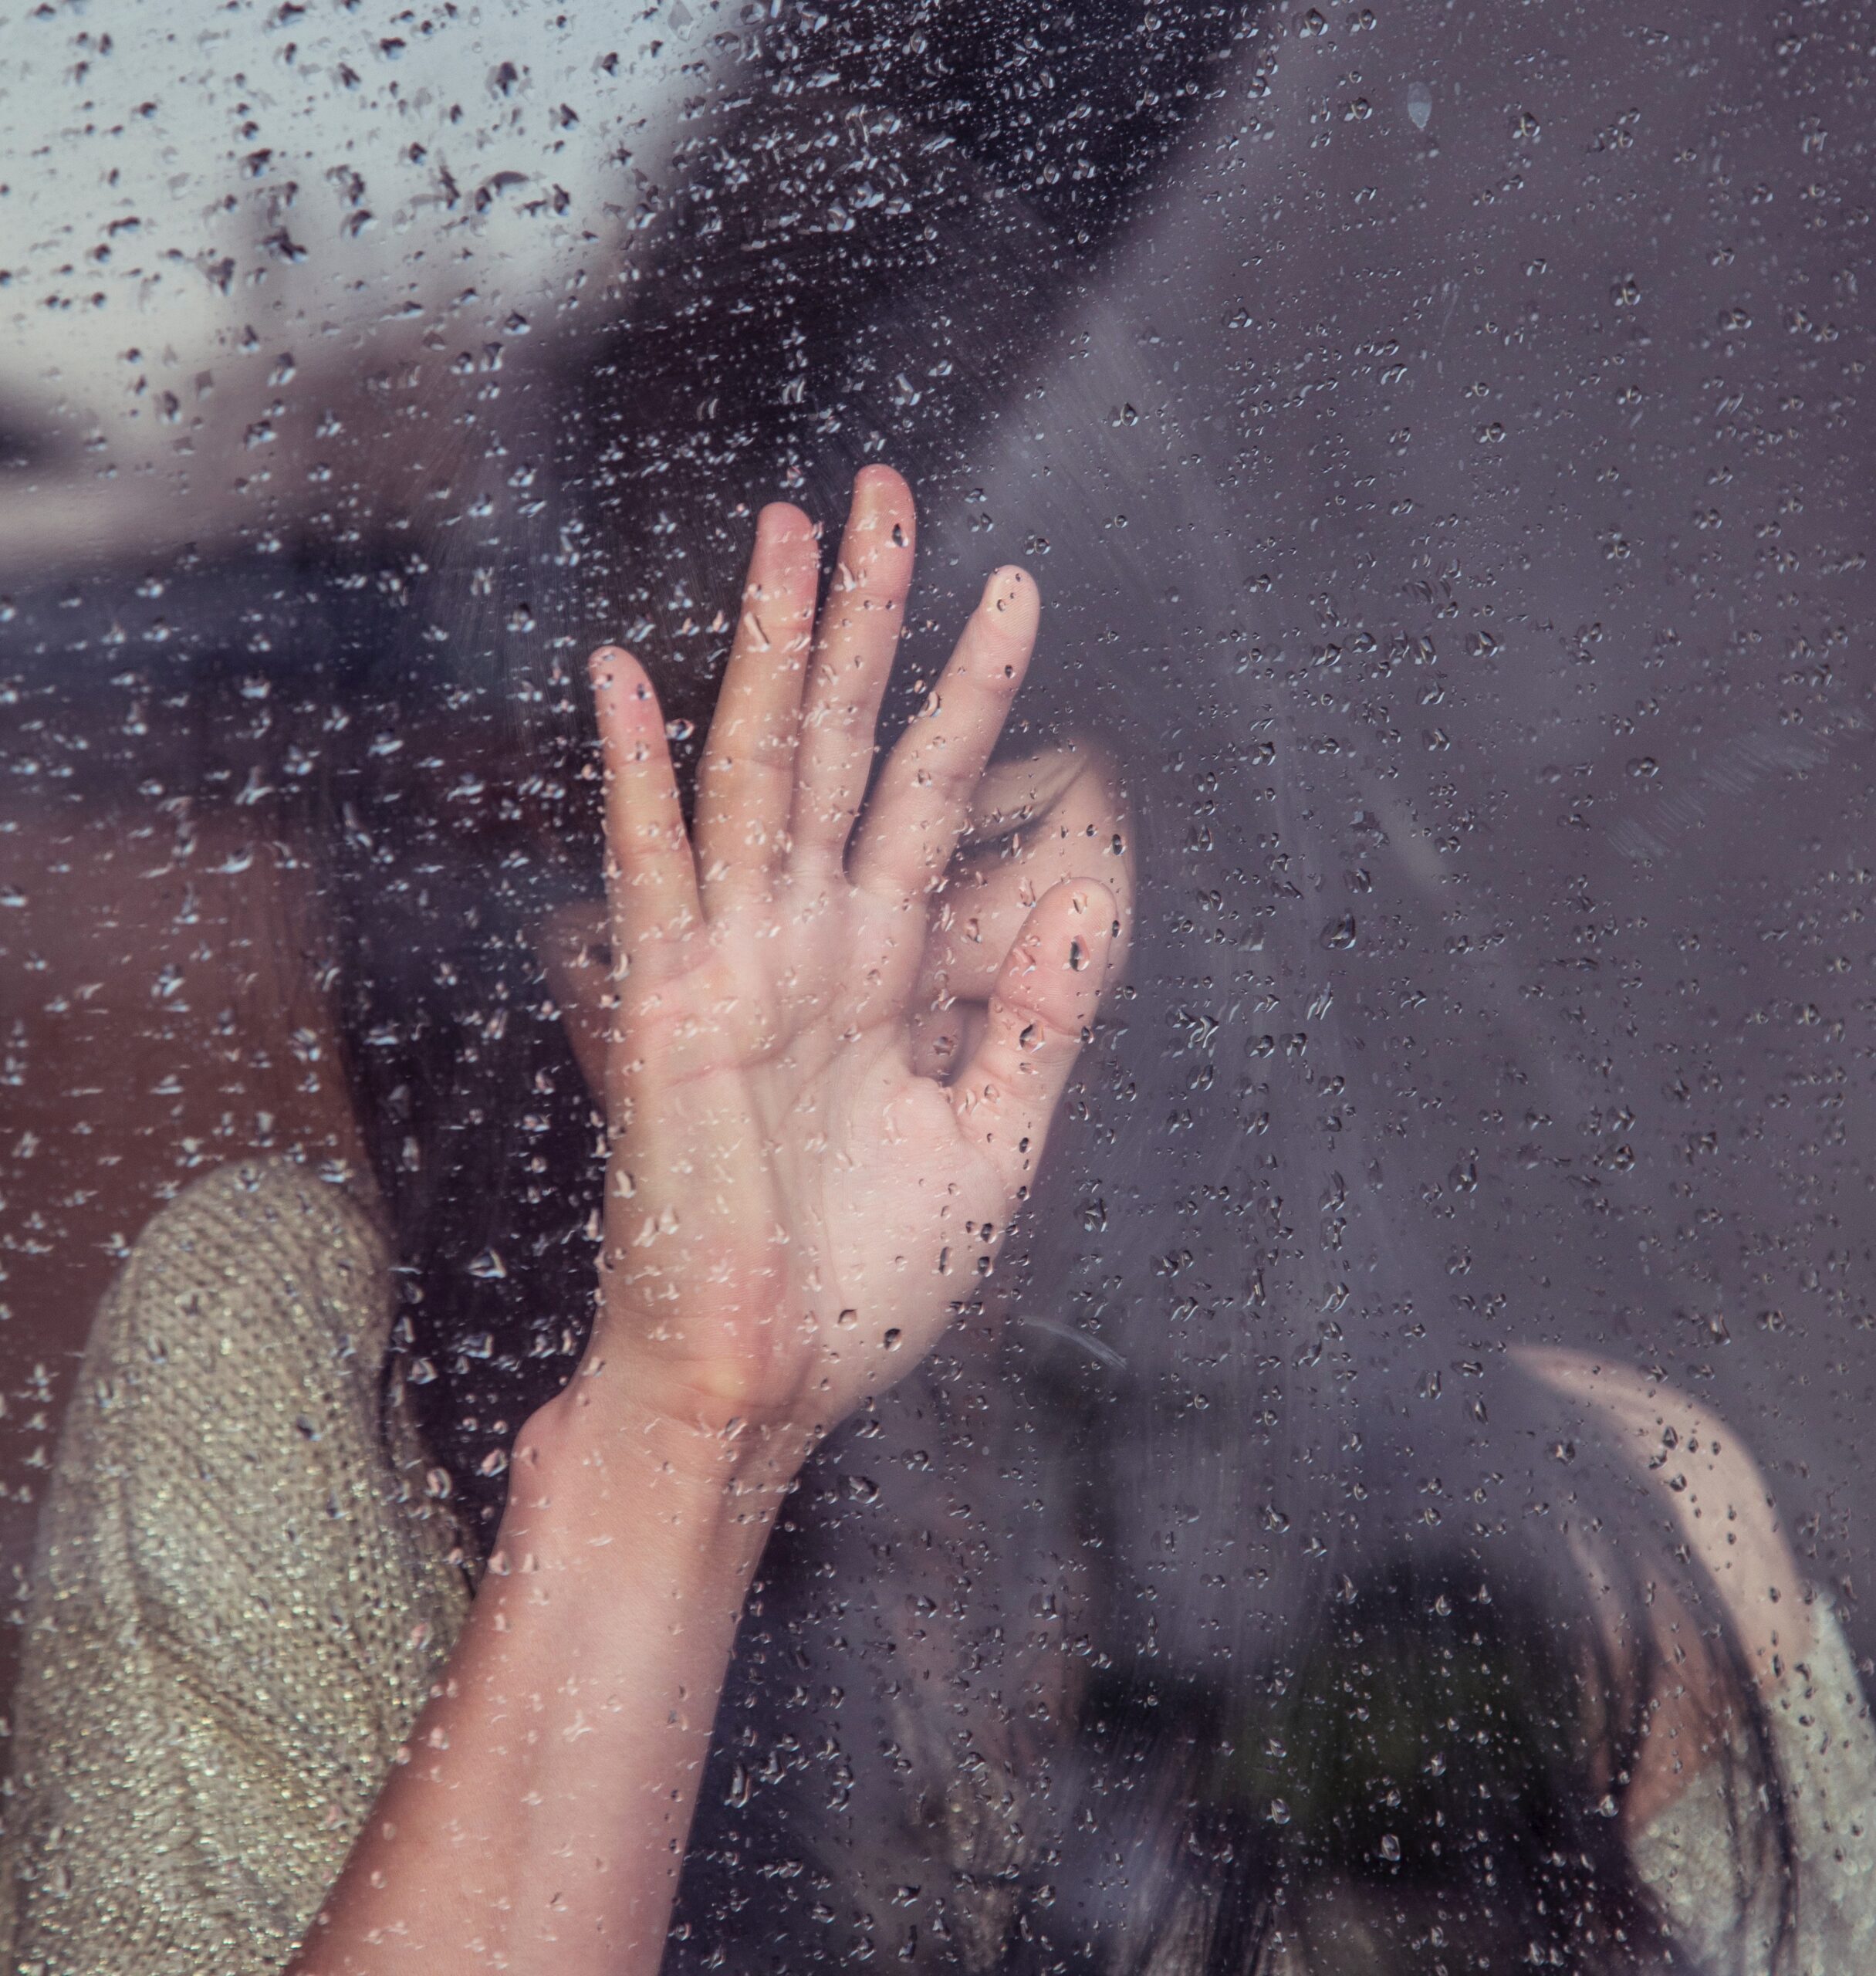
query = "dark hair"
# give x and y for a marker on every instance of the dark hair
(1132, 1627)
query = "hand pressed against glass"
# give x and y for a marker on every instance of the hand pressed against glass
(795, 1200)
(1036, 820)
(825, 1100)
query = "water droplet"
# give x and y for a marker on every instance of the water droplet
(488, 1265)
(847, 1319)
(1419, 105)
(1390, 1846)
(1367, 830)
(1340, 933)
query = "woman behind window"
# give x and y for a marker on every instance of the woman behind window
(292, 1702)
(1150, 1622)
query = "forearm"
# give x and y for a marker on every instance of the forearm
(539, 1821)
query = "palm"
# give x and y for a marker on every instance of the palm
(792, 1211)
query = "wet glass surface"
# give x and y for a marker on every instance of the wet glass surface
(1441, 439)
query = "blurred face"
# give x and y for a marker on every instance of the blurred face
(1037, 821)
(1056, 814)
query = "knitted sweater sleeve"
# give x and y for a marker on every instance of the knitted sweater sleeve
(238, 1603)
(1723, 1907)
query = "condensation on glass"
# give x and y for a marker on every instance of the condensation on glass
(1441, 437)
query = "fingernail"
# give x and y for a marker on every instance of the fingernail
(878, 477)
(1004, 589)
(780, 520)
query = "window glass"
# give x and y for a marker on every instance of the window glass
(1380, 1491)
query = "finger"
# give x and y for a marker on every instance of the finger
(574, 945)
(651, 875)
(923, 802)
(747, 779)
(853, 657)
(1047, 994)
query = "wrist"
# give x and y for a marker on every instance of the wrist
(689, 1425)
(586, 1475)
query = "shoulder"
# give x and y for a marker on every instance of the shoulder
(224, 1231)
(1707, 1484)
(254, 1263)
(239, 1601)
(227, 1443)
(1694, 1858)
(234, 1374)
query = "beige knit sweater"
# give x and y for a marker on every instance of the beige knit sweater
(239, 1602)
(243, 1593)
